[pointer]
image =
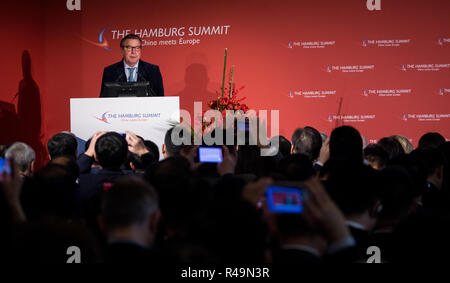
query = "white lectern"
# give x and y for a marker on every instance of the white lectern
(148, 117)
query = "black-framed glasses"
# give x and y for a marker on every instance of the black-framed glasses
(130, 48)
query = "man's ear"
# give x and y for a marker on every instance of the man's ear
(163, 150)
(292, 149)
(32, 166)
(132, 166)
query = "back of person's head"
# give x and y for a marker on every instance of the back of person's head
(434, 199)
(391, 146)
(284, 145)
(167, 169)
(431, 140)
(296, 167)
(181, 194)
(129, 201)
(172, 148)
(111, 150)
(62, 144)
(397, 193)
(353, 186)
(137, 161)
(248, 158)
(307, 141)
(430, 158)
(153, 148)
(70, 163)
(346, 144)
(280, 147)
(416, 169)
(22, 154)
(51, 191)
(406, 144)
(376, 156)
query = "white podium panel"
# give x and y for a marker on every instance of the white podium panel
(148, 117)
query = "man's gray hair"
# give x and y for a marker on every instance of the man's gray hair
(22, 154)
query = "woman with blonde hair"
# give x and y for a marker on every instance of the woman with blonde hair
(406, 144)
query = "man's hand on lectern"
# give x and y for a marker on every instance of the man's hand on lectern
(135, 144)
(91, 149)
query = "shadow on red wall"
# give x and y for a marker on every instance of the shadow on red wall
(25, 124)
(196, 80)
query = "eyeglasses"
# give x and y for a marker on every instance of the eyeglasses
(130, 48)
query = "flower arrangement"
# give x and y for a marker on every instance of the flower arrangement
(227, 99)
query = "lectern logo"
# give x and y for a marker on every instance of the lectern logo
(443, 41)
(103, 118)
(73, 5)
(102, 42)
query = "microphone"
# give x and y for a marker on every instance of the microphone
(152, 92)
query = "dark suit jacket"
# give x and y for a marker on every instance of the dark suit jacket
(146, 72)
(127, 252)
(363, 240)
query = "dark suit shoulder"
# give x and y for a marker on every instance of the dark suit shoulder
(114, 66)
(147, 65)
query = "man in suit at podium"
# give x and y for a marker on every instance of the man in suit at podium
(132, 69)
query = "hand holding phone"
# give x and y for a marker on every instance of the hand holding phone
(210, 154)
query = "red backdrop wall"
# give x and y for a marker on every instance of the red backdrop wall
(320, 62)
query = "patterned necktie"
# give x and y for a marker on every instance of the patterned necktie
(131, 77)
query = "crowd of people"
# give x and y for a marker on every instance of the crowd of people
(120, 202)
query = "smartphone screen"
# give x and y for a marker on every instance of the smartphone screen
(210, 154)
(5, 166)
(284, 199)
